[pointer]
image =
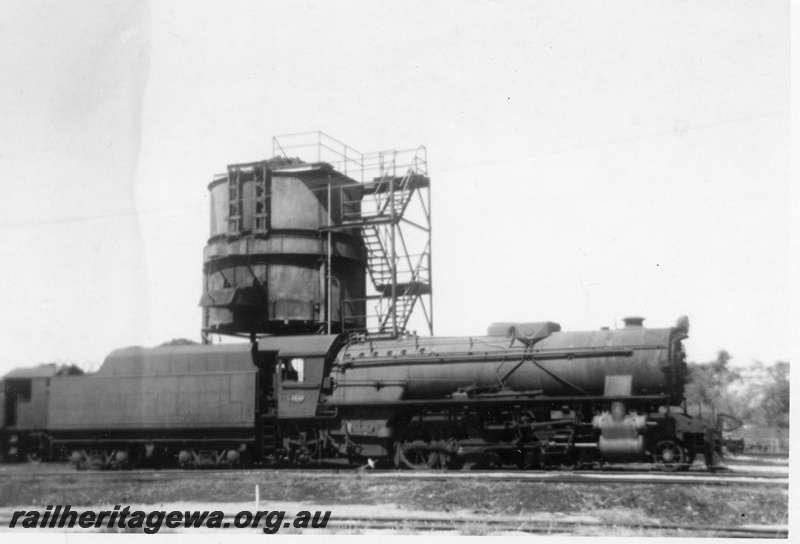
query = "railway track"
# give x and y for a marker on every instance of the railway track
(627, 477)
(550, 527)
(494, 525)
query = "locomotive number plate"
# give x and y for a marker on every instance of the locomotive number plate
(297, 397)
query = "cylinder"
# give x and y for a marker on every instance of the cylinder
(621, 436)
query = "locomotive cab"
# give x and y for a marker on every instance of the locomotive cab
(293, 381)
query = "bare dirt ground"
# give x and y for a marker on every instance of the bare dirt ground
(355, 494)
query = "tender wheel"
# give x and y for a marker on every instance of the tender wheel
(96, 460)
(35, 448)
(76, 458)
(669, 456)
(246, 460)
(415, 458)
(34, 457)
(134, 459)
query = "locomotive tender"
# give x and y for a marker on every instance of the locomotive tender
(292, 244)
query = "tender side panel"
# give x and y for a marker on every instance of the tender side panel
(135, 402)
(163, 388)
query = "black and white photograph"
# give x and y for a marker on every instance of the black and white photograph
(438, 268)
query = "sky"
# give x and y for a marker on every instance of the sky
(588, 160)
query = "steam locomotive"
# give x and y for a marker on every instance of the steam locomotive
(292, 244)
(527, 395)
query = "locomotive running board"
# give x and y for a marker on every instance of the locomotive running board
(494, 401)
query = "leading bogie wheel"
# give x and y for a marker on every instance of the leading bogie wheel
(669, 456)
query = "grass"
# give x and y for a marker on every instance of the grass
(609, 503)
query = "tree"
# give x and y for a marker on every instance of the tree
(756, 394)
(776, 400)
(708, 385)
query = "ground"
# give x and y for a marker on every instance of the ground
(355, 493)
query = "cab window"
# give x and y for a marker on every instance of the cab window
(292, 370)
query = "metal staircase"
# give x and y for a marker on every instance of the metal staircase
(378, 263)
(399, 277)
(402, 308)
(393, 194)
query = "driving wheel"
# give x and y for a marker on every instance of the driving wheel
(414, 458)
